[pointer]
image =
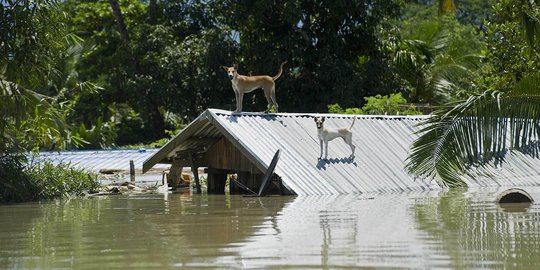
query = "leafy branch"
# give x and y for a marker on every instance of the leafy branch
(478, 132)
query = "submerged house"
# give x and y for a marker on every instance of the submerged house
(244, 144)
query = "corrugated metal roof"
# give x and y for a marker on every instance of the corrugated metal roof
(96, 160)
(382, 145)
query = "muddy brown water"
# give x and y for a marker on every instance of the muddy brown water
(431, 230)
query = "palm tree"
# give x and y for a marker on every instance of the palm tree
(435, 59)
(478, 132)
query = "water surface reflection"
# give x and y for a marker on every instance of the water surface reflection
(416, 230)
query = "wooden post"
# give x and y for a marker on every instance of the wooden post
(233, 189)
(132, 171)
(216, 181)
(195, 170)
(163, 178)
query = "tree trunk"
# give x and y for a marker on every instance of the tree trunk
(152, 11)
(154, 118)
(447, 7)
(120, 21)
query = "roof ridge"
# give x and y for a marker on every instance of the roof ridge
(328, 115)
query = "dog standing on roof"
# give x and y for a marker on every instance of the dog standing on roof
(244, 84)
(325, 135)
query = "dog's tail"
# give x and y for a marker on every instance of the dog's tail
(354, 120)
(280, 71)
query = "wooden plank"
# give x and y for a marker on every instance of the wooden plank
(132, 171)
(195, 171)
(224, 155)
(231, 137)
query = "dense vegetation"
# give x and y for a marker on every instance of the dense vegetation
(98, 74)
(127, 71)
(34, 90)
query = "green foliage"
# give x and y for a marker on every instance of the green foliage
(30, 120)
(475, 12)
(437, 58)
(467, 12)
(128, 124)
(509, 58)
(171, 64)
(15, 184)
(33, 34)
(528, 13)
(335, 108)
(34, 39)
(477, 133)
(100, 136)
(468, 136)
(155, 144)
(393, 104)
(15, 108)
(381, 105)
(61, 180)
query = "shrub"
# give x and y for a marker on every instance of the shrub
(379, 105)
(20, 181)
(15, 184)
(61, 180)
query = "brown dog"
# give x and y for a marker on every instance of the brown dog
(244, 84)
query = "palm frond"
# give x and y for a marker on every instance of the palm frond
(530, 23)
(451, 72)
(28, 119)
(527, 86)
(476, 134)
(471, 61)
(15, 100)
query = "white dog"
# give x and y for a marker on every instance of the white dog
(325, 135)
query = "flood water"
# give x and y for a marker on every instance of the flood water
(446, 230)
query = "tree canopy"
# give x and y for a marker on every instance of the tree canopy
(33, 34)
(168, 57)
(502, 118)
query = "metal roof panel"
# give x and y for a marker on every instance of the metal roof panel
(96, 160)
(382, 145)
